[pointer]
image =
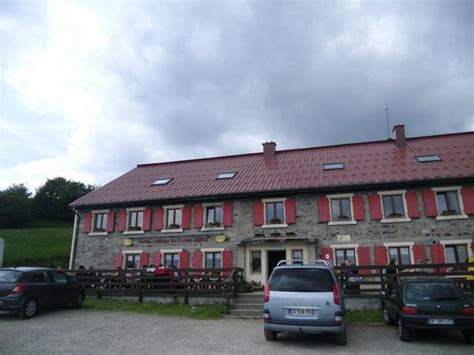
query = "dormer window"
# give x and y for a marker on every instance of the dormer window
(227, 175)
(427, 158)
(333, 166)
(162, 181)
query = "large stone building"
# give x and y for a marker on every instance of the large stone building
(408, 199)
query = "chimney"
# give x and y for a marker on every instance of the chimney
(400, 139)
(269, 149)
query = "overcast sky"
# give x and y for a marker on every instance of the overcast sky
(89, 89)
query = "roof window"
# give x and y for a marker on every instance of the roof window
(162, 181)
(228, 175)
(333, 166)
(427, 158)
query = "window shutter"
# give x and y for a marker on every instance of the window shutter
(358, 206)
(184, 259)
(381, 257)
(186, 216)
(197, 259)
(146, 219)
(419, 253)
(227, 261)
(110, 221)
(375, 207)
(412, 204)
(228, 214)
(144, 258)
(159, 219)
(327, 253)
(364, 259)
(156, 259)
(118, 260)
(437, 255)
(257, 213)
(122, 220)
(468, 200)
(290, 211)
(198, 210)
(87, 222)
(429, 200)
(323, 210)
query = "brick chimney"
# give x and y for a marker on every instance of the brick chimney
(400, 139)
(269, 149)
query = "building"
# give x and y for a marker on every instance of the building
(411, 199)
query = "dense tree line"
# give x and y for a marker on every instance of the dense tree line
(18, 208)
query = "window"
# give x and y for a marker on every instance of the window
(59, 278)
(213, 260)
(172, 259)
(135, 220)
(427, 158)
(162, 181)
(173, 218)
(256, 262)
(341, 209)
(301, 280)
(213, 216)
(100, 222)
(393, 206)
(228, 175)
(342, 255)
(40, 277)
(333, 166)
(297, 255)
(456, 253)
(448, 204)
(132, 261)
(401, 255)
(274, 213)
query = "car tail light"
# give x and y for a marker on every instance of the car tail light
(408, 310)
(19, 288)
(337, 320)
(469, 311)
(266, 296)
(266, 316)
(336, 294)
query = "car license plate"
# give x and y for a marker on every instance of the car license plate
(301, 312)
(440, 321)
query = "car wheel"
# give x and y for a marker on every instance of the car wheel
(78, 299)
(29, 309)
(468, 336)
(386, 317)
(341, 338)
(403, 331)
(270, 335)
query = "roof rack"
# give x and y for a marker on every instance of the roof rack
(304, 262)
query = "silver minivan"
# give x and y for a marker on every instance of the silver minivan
(304, 299)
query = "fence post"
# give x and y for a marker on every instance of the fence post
(140, 296)
(186, 301)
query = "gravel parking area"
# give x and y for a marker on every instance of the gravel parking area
(103, 332)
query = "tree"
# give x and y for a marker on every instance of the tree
(16, 206)
(52, 198)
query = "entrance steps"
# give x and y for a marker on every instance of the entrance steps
(247, 306)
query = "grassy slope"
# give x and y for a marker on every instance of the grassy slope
(42, 246)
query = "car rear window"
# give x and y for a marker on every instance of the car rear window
(302, 280)
(432, 291)
(9, 276)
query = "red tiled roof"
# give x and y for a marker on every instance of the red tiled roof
(369, 163)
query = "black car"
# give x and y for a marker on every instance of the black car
(26, 289)
(429, 303)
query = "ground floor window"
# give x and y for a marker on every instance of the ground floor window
(456, 253)
(344, 255)
(132, 261)
(297, 255)
(172, 259)
(213, 260)
(256, 262)
(401, 255)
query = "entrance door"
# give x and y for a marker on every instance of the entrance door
(273, 257)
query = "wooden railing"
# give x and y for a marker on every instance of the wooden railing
(175, 282)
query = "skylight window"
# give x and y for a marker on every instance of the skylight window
(228, 175)
(162, 181)
(427, 158)
(333, 166)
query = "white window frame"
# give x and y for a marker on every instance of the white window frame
(332, 222)
(129, 252)
(405, 207)
(457, 242)
(134, 209)
(170, 251)
(204, 216)
(401, 244)
(462, 214)
(165, 219)
(334, 247)
(267, 200)
(94, 212)
(211, 250)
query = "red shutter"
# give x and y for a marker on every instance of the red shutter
(227, 210)
(412, 204)
(375, 207)
(323, 210)
(419, 253)
(197, 259)
(122, 220)
(184, 259)
(87, 222)
(198, 217)
(159, 219)
(429, 200)
(110, 221)
(147, 219)
(327, 253)
(118, 260)
(290, 211)
(156, 259)
(227, 261)
(364, 259)
(144, 258)
(186, 218)
(468, 200)
(257, 213)
(437, 254)
(381, 257)
(358, 206)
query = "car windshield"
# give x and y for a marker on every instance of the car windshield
(9, 276)
(432, 291)
(302, 280)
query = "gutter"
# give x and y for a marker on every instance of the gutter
(72, 257)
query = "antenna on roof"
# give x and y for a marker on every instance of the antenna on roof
(388, 125)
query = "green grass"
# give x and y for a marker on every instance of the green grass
(196, 312)
(38, 246)
(365, 316)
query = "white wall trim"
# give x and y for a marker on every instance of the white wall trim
(392, 192)
(212, 250)
(445, 188)
(344, 246)
(340, 195)
(170, 251)
(131, 251)
(456, 241)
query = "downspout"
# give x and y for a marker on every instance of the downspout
(72, 257)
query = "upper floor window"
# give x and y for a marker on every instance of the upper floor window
(213, 216)
(135, 220)
(393, 206)
(341, 209)
(173, 217)
(448, 203)
(100, 222)
(456, 253)
(274, 213)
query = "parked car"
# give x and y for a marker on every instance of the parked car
(428, 303)
(27, 289)
(304, 299)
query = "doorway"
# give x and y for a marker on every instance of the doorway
(273, 257)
